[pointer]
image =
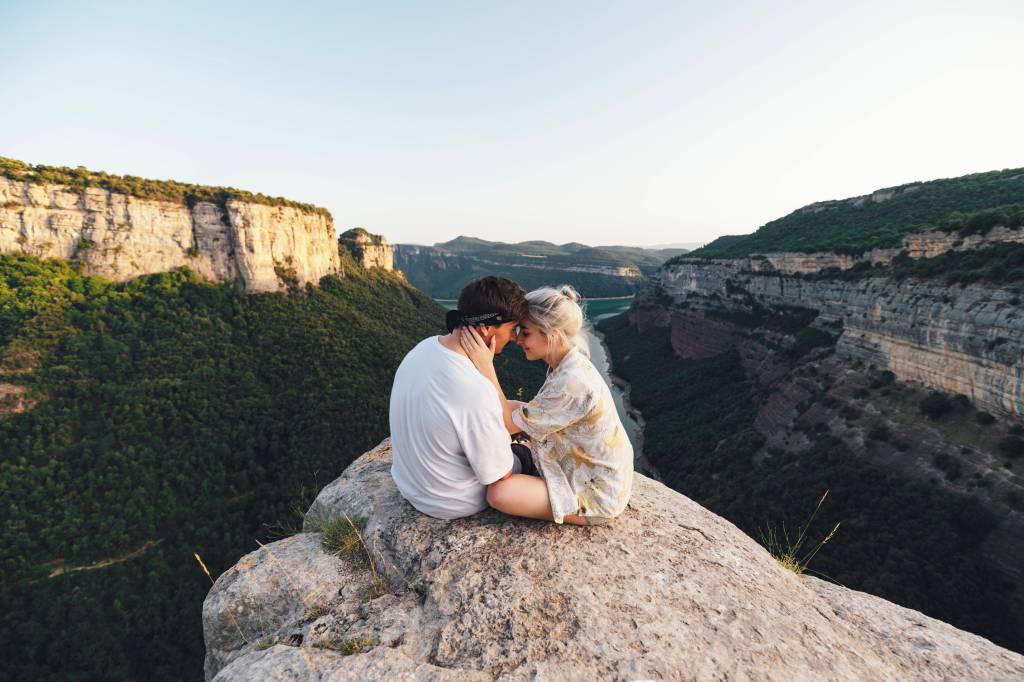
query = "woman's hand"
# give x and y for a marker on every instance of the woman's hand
(480, 353)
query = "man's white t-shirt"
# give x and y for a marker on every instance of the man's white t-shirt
(448, 435)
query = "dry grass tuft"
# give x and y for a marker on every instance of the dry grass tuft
(233, 619)
(343, 536)
(352, 646)
(787, 552)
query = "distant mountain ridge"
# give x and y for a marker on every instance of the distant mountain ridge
(442, 269)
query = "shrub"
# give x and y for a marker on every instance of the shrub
(1011, 446)
(936, 405)
(883, 379)
(808, 339)
(849, 412)
(948, 465)
(984, 418)
(880, 432)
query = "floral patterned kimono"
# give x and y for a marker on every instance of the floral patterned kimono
(579, 445)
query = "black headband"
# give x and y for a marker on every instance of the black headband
(456, 318)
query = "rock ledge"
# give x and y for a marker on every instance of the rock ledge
(668, 591)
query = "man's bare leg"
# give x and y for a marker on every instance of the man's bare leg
(521, 495)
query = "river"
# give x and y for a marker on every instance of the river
(597, 309)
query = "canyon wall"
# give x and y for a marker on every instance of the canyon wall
(961, 339)
(258, 247)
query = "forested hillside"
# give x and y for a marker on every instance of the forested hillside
(881, 219)
(143, 421)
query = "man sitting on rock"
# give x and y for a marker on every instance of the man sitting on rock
(448, 432)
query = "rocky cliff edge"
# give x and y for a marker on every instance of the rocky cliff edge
(668, 591)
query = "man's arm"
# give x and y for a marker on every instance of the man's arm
(507, 406)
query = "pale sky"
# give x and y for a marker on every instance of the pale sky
(600, 122)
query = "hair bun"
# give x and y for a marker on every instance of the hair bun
(570, 293)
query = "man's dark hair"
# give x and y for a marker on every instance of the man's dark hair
(493, 295)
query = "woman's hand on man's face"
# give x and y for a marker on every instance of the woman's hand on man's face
(480, 353)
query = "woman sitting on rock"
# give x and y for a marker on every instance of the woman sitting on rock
(580, 449)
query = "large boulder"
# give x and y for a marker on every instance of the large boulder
(669, 590)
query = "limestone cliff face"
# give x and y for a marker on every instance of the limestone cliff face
(667, 591)
(259, 247)
(963, 339)
(369, 250)
(931, 244)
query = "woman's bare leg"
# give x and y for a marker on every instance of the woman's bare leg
(521, 495)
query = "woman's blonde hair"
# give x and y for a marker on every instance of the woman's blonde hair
(559, 315)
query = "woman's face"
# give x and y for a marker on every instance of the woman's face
(532, 341)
